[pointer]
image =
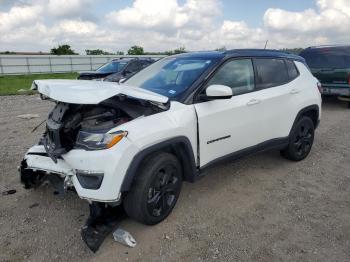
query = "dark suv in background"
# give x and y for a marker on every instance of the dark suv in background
(331, 66)
(117, 69)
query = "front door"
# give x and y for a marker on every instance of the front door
(229, 125)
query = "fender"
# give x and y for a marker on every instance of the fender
(306, 111)
(180, 146)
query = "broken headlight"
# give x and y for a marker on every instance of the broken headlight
(98, 141)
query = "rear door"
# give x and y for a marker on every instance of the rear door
(276, 81)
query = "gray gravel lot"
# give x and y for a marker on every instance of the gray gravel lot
(260, 208)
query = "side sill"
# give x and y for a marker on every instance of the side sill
(277, 143)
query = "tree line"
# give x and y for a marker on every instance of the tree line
(134, 50)
(66, 49)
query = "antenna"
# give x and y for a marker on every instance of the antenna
(266, 44)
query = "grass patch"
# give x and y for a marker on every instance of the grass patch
(10, 84)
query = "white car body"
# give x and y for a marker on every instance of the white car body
(214, 129)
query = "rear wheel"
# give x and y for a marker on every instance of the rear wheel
(300, 140)
(156, 189)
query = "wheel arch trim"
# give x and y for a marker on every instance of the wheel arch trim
(183, 151)
(303, 112)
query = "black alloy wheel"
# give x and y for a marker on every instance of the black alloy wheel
(303, 139)
(163, 191)
(155, 190)
(300, 140)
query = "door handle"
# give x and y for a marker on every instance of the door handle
(253, 102)
(294, 91)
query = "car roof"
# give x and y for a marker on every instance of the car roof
(133, 58)
(327, 46)
(243, 53)
(322, 48)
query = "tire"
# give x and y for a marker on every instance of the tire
(300, 140)
(156, 189)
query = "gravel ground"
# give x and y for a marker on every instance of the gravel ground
(261, 208)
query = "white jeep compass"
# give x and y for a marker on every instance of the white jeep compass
(135, 143)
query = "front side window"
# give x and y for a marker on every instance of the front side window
(270, 72)
(112, 67)
(237, 74)
(171, 76)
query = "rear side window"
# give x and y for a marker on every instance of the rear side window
(145, 63)
(292, 70)
(133, 67)
(237, 74)
(270, 72)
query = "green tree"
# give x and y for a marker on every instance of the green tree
(180, 50)
(95, 52)
(221, 49)
(7, 53)
(119, 53)
(136, 50)
(296, 51)
(62, 50)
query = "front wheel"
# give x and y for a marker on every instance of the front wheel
(156, 189)
(300, 140)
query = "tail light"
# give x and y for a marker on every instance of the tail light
(319, 86)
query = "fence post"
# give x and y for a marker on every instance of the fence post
(50, 64)
(1, 68)
(28, 68)
(71, 63)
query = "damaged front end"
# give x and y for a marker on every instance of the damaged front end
(76, 149)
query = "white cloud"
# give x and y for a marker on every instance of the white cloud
(19, 16)
(160, 25)
(67, 8)
(77, 27)
(328, 24)
(150, 14)
(165, 16)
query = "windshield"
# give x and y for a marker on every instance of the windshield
(170, 76)
(112, 67)
(328, 58)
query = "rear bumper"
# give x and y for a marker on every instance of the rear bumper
(336, 91)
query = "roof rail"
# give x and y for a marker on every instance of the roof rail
(325, 46)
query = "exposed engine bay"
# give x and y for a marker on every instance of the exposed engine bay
(66, 121)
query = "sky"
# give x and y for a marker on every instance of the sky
(160, 25)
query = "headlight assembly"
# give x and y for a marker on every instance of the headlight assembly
(98, 141)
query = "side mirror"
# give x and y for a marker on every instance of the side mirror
(218, 92)
(122, 80)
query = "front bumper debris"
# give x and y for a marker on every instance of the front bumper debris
(103, 219)
(34, 178)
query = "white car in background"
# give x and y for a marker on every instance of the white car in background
(134, 144)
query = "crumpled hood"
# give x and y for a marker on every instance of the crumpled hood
(91, 92)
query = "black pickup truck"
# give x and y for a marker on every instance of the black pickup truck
(331, 66)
